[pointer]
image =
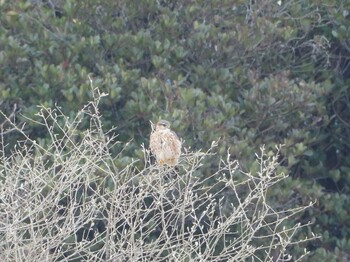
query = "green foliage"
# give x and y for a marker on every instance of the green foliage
(268, 72)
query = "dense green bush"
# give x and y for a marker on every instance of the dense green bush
(248, 73)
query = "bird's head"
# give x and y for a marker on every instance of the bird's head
(162, 124)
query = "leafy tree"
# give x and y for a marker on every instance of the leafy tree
(249, 73)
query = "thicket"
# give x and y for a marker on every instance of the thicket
(67, 201)
(249, 73)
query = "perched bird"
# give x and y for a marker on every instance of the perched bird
(165, 144)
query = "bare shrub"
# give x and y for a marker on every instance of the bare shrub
(66, 200)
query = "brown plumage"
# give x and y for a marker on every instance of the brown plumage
(165, 144)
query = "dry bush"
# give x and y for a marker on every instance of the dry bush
(68, 201)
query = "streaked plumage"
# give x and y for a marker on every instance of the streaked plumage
(165, 144)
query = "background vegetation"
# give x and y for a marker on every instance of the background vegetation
(249, 73)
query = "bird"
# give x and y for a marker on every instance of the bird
(165, 144)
